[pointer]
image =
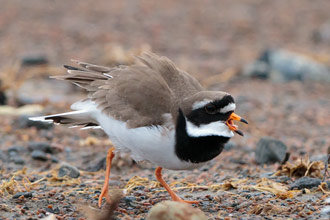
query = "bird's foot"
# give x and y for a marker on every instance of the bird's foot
(105, 189)
(104, 194)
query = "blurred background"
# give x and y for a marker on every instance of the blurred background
(272, 56)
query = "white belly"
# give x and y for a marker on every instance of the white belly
(154, 144)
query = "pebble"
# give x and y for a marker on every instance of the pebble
(283, 179)
(33, 60)
(25, 194)
(3, 97)
(282, 66)
(68, 170)
(16, 148)
(24, 122)
(305, 182)
(101, 164)
(14, 156)
(130, 201)
(270, 150)
(322, 33)
(39, 155)
(3, 157)
(41, 146)
(175, 210)
(18, 160)
(54, 159)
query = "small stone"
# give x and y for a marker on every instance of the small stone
(25, 194)
(54, 159)
(169, 210)
(101, 164)
(12, 154)
(18, 160)
(25, 122)
(283, 179)
(17, 149)
(39, 155)
(130, 201)
(3, 98)
(68, 170)
(33, 60)
(3, 157)
(41, 146)
(305, 182)
(270, 151)
(282, 65)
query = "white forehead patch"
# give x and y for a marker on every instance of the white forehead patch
(216, 128)
(227, 108)
(200, 104)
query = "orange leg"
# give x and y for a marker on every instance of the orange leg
(105, 189)
(175, 197)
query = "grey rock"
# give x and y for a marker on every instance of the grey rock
(305, 182)
(18, 160)
(322, 34)
(101, 164)
(270, 151)
(283, 179)
(54, 159)
(39, 155)
(41, 146)
(25, 194)
(68, 170)
(24, 122)
(17, 149)
(3, 97)
(281, 66)
(3, 157)
(33, 60)
(12, 154)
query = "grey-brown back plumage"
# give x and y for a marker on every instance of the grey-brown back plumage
(139, 94)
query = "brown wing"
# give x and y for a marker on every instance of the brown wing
(181, 83)
(136, 94)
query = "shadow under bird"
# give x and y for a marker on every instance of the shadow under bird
(154, 111)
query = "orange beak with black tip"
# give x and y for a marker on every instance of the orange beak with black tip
(230, 123)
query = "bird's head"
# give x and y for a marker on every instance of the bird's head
(211, 113)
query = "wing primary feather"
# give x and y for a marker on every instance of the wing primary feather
(72, 68)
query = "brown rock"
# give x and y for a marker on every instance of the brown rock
(170, 210)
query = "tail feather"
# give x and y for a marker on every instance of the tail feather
(81, 118)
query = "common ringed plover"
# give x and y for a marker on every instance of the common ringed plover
(154, 111)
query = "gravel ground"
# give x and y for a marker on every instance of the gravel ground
(53, 169)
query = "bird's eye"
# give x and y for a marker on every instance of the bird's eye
(211, 109)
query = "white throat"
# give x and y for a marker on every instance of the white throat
(216, 128)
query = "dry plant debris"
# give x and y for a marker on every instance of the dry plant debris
(302, 167)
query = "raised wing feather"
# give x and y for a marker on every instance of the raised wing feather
(135, 94)
(181, 83)
(143, 94)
